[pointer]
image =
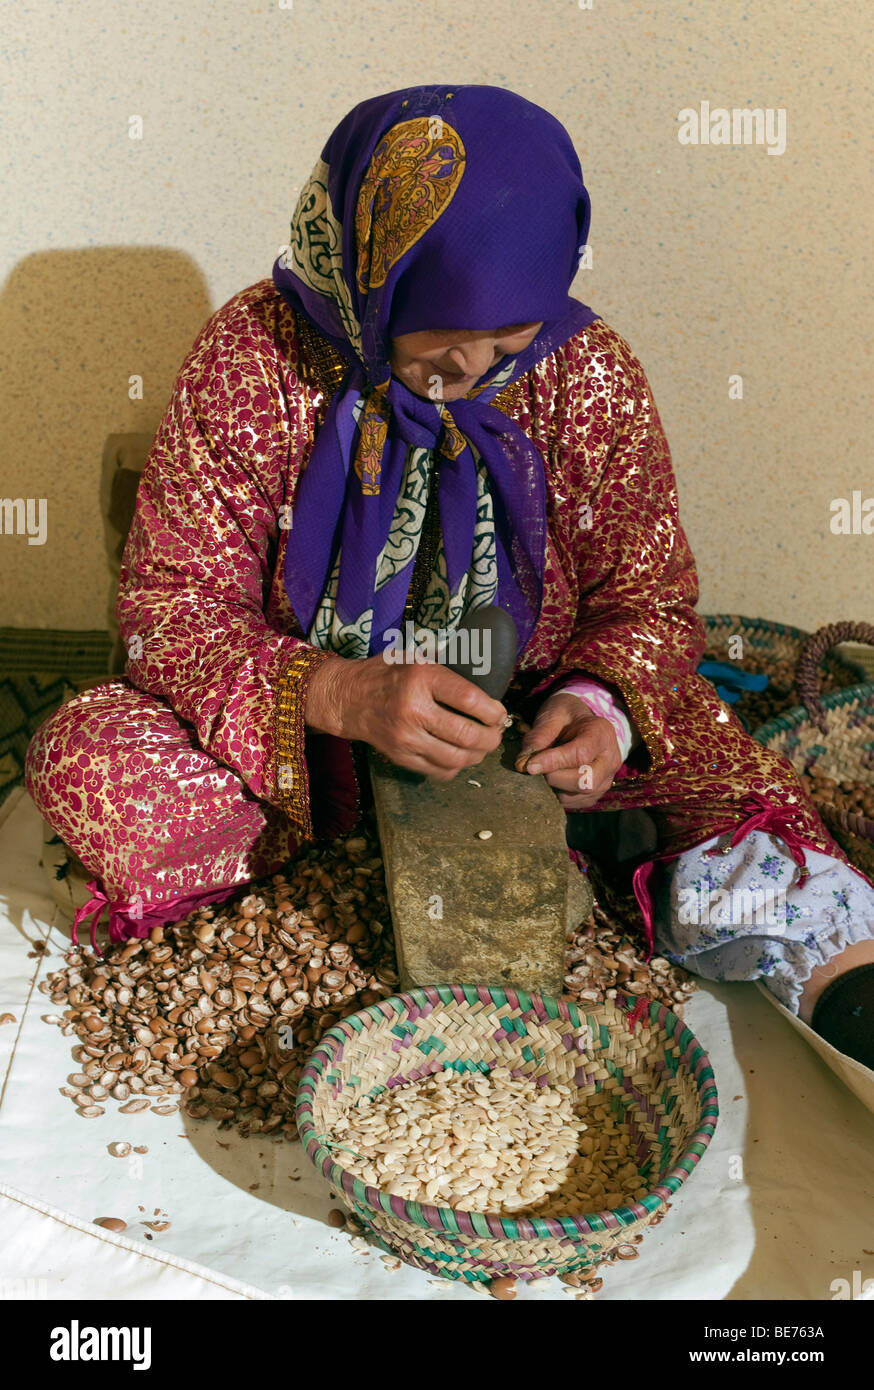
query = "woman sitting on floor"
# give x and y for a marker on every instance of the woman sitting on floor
(410, 422)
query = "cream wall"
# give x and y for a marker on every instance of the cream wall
(711, 260)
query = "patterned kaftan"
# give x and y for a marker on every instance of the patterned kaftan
(196, 771)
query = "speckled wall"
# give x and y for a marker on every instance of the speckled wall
(716, 261)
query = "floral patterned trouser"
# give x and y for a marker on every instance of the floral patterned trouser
(744, 915)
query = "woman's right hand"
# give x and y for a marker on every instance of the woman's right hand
(423, 717)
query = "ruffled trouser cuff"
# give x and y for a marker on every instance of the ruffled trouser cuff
(746, 915)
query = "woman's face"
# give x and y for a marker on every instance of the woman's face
(444, 365)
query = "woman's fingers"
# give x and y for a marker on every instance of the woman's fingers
(423, 717)
(588, 738)
(579, 751)
(466, 735)
(584, 777)
(456, 693)
(422, 752)
(553, 719)
(581, 801)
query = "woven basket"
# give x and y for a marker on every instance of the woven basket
(834, 733)
(772, 649)
(634, 1054)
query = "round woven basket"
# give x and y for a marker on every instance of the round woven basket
(634, 1054)
(771, 649)
(834, 733)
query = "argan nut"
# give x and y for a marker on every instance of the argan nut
(119, 1149)
(337, 1219)
(188, 1076)
(111, 1223)
(502, 1288)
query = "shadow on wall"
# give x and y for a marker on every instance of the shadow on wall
(76, 327)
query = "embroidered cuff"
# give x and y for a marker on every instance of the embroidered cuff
(289, 734)
(603, 703)
(655, 739)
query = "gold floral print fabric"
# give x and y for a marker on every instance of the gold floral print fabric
(204, 613)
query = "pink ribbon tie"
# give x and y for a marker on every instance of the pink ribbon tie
(93, 909)
(776, 820)
(131, 918)
(119, 924)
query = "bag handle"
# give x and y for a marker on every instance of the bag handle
(807, 674)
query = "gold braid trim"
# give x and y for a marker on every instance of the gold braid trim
(289, 733)
(319, 360)
(426, 555)
(511, 398)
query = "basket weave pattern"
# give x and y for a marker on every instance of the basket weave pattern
(772, 649)
(834, 733)
(634, 1055)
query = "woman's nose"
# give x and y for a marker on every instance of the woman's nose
(471, 359)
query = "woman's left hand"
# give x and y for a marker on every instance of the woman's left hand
(575, 749)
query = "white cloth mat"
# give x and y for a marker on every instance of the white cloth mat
(781, 1205)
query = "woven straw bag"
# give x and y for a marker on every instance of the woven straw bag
(834, 733)
(772, 649)
(636, 1055)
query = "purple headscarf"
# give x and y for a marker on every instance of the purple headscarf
(431, 208)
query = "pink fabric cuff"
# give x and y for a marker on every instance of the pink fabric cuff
(604, 703)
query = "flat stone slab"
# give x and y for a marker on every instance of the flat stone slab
(467, 910)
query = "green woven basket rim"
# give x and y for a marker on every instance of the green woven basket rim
(488, 1225)
(760, 624)
(711, 620)
(793, 718)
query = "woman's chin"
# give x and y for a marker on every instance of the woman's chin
(452, 391)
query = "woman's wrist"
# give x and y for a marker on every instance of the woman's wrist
(326, 704)
(608, 704)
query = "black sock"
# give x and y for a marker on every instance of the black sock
(844, 1014)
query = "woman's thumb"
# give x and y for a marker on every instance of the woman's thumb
(542, 734)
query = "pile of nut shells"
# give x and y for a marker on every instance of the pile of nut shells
(602, 961)
(219, 1013)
